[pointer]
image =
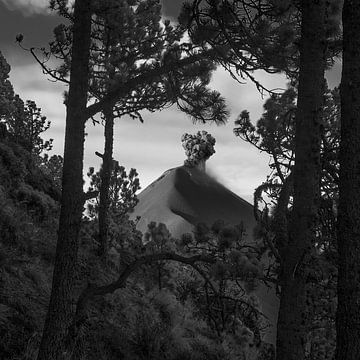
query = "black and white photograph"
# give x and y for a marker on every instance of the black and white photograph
(179, 180)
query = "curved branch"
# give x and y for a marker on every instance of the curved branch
(91, 292)
(143, 78)
(45, 69)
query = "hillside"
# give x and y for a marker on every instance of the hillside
(28, 222)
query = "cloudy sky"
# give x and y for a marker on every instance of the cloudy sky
(152, 147)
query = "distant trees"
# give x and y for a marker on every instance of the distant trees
(24, 121)
(27, 124)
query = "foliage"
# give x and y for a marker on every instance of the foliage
(12, 169)
(27, 246)
(221, 292)
(24, 122)
(248, 36)
(6, 89)
(36, 202)
(138, 62)
(180, 320)
(52, 166)
(274, 134)
(123, 199)
(123, 188)
(234, 276)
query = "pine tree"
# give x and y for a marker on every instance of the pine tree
(348, 314)
(24, 121)
(6, 89)
(274, 134)
(129, 41)
(268, 35)
(59, 315)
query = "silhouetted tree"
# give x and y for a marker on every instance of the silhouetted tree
(60, 313)
(246, 36)
(268, 35)
(295, 248)
(348, 313)
(274, 134)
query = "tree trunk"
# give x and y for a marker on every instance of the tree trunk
(60, 312)
(295, 255)
(348, 311)
(105, 176)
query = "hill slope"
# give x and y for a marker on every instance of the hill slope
(183, 197)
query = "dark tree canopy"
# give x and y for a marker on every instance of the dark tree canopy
(244, 36)
(138, 62)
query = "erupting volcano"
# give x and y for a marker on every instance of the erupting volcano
(186, 195)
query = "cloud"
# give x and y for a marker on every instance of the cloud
(28, 7)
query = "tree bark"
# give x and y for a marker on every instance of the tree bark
(105, 177)
(60, 311)
(348, 235)
(295, 254)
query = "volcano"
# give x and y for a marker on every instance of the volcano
(185, 196)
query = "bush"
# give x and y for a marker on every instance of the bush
(38, 204)
(12, 168)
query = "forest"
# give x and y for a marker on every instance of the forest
(82, 276)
